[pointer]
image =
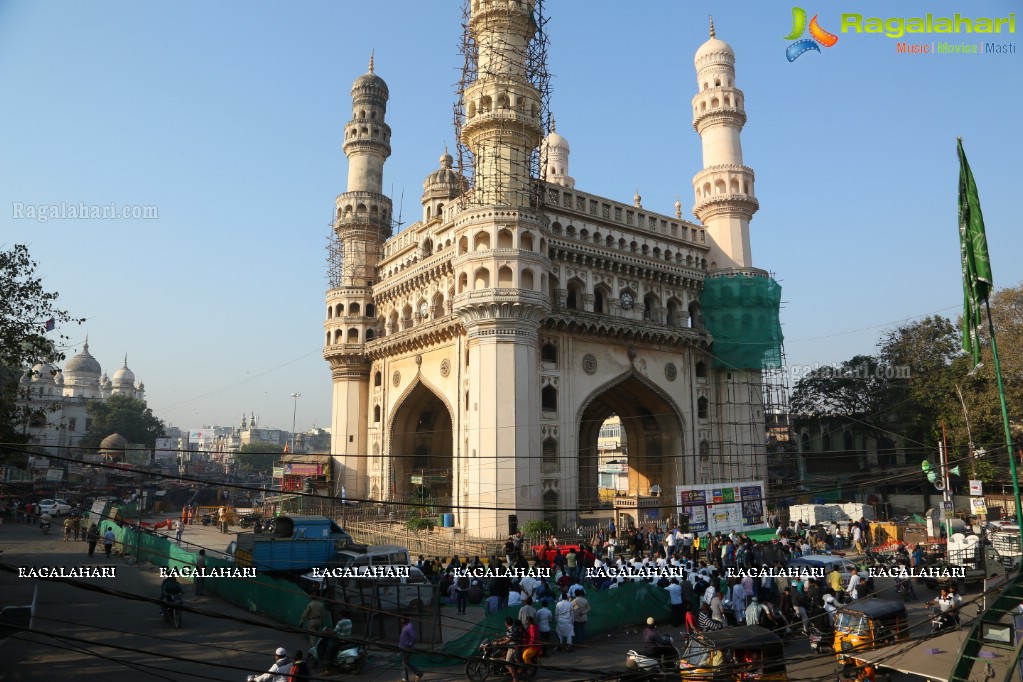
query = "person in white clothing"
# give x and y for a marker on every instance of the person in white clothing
(565, 626)
(852, 589)
(278, 672)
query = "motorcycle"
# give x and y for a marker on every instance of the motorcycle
(342, 655)
(820, 643)
(941, 622)
(44, 526)
(255, 519)
(666, 658)
(207, 519)
(172, 609)
(491, 661)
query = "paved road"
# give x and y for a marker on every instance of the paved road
(88, 635)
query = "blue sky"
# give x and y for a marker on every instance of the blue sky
(228, 118)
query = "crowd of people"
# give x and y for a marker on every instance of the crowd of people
(707, 577)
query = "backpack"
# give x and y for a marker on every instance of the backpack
(299, 672)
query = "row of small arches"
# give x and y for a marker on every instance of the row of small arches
(356, 131)
(373, 212)
(718, 82)
(734, 186)
(633, 246)
(480, 278)
(354, 310)
(715, 103)
(505, 102)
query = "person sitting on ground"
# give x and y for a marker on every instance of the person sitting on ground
(280, 669)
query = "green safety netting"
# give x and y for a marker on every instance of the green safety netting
(627, 605)
(279, 599)
(741, 311)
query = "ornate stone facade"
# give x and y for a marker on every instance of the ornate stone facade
(477, 353)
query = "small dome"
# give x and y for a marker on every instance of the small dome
(124, 376)
(556, 140)
(713, 47)
(44, 372)
(83, 363)
(370, 80)
(114, 441)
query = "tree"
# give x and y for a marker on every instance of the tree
(125, 415)
(258, 457)
(858, 389)
(28, 318)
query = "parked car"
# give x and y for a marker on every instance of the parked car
(54, 507)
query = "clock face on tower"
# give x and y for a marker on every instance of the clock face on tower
(423, 309)
(627, 300)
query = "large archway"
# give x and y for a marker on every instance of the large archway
(652, 428)
(421, 449)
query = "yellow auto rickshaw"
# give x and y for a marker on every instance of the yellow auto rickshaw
(740, 654)
(868, 624)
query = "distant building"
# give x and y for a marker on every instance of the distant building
(60, 398)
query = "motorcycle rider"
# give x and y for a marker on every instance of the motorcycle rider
(44, 522)
(168, 590)
(654, 644)
(279, 671)
(944, 608)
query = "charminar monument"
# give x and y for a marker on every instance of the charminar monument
(476, 353)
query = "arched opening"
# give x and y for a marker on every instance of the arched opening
(481, 241)
(695, 317)
(378, 379)
(601, 300)
(354, 309)
(549, 354)
(847, 441)
(526, 282)
(826, 442)
(652, 430)
(574, 300)
(650, 308)
(702, 407)
(504, 276)
(674, 310)
(550, 507)
(526, 242)
(481, 280)
(421, 446)
(463, 282)
(353, 335)
(701, 369)
(371, 310)
(549, 399)
(376, 414)
(505, 239)
(463, 245)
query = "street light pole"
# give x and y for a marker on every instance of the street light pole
(294, 413)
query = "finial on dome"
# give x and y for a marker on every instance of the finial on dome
(711, 30)
(125, 359)
(637, 200)
(678, 207)
(554, 124)
(372, 51)
(85, 348)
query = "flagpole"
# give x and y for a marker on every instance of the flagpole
(1005, 422)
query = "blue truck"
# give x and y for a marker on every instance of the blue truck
(296, 545)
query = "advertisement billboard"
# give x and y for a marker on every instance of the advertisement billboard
(724, 507)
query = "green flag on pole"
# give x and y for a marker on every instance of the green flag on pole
(977, 281)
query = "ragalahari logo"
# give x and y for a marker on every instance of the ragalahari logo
(804, 45)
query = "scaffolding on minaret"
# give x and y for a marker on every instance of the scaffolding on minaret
(335, 259)
(537, 75)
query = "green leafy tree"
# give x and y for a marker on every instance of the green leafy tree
(125, 415)
(258, 457)
(26, 310)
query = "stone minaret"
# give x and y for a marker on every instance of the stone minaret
(725, 200)
(501, 273)
(362, 222)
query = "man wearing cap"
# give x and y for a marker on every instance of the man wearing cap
(753, 611)
(278, 672)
